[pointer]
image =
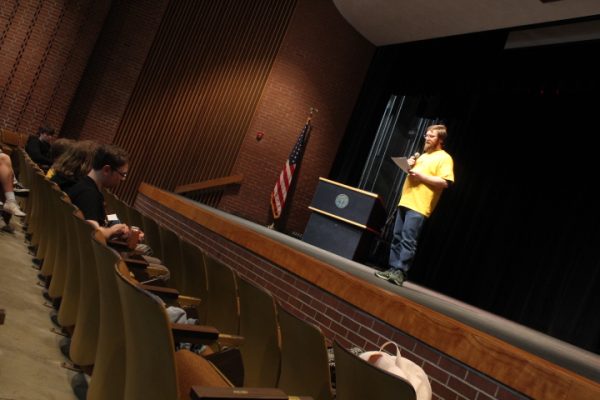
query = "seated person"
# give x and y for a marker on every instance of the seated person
(7, 177)
(74, 164)
(58, 148)
(110, 166)
(38, 147)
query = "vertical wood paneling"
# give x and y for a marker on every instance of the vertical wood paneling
(198, 90)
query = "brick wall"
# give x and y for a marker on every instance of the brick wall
(45, 46)
(337, 319)
(114, 68)
(321, 63)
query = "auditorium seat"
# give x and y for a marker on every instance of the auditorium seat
(357, 379)
(108, 381)
(304, 361)
(152, 235)
(222, 305)
(153, 369)
(67, 246)
(261, 353)
(135, 217)
(196, 282)
(68, 311)
(171, 257)
(46, 227)
(87, 303)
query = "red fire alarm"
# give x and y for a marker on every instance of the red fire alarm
(259, 135)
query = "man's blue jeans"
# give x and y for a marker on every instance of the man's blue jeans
(407, 229)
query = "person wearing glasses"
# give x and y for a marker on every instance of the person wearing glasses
(427, 178)
(110, 165)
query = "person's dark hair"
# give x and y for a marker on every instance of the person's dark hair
(59, 146)
(111, 155)
(47, 130)
(76, 162)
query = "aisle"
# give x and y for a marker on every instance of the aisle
(29, 355)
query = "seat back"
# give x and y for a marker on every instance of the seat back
(152, 235)
(135, 218)
(67, 244)
(222, 305)
(109, 368)
(85, 337)
(304, 361)
(196, 282)
(261, 352)
(357, 379)
(67, 313)
(50, 226)
(150, 365)
(171, 256)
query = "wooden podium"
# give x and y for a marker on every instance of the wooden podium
(344, 220)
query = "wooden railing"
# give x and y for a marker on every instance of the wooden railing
(211, 185)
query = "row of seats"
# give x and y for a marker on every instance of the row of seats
(121, 333)
(10, 140)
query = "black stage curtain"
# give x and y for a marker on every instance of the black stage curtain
(519, 232)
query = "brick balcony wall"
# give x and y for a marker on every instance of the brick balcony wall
(450, 379)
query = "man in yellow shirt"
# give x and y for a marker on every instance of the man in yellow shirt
(429, 175)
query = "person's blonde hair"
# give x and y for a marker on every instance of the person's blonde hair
(76, 162)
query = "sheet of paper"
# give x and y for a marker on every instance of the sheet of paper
(401, 162)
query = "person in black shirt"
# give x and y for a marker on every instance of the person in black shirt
(39, 147)
(74, 164)
(109, 167)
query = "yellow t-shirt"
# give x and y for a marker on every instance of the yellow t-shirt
(420, 197)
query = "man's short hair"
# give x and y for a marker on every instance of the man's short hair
(440, 130)
(111, 155)
(47, 130)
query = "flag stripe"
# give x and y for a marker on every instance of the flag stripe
(286, 177)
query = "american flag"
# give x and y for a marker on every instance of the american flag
(283, 184)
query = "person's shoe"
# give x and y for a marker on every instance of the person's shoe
(397, 277)
(79, 384)
(13, 208)
(21, 192)
(384, 274)
(54, 319)
(18, 185)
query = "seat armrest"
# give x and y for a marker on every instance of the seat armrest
(228, 340)
(188, 301)
(135, 261)
(162, 292)
(195, 334)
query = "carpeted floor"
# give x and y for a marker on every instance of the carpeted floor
(30, 358)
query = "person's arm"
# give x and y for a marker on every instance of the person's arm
(429, 180)
(114, 230)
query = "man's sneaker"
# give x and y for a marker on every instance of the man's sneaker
(18, 185)
(13, 208)
(21, 191)
(397, 277)
(384, 274)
